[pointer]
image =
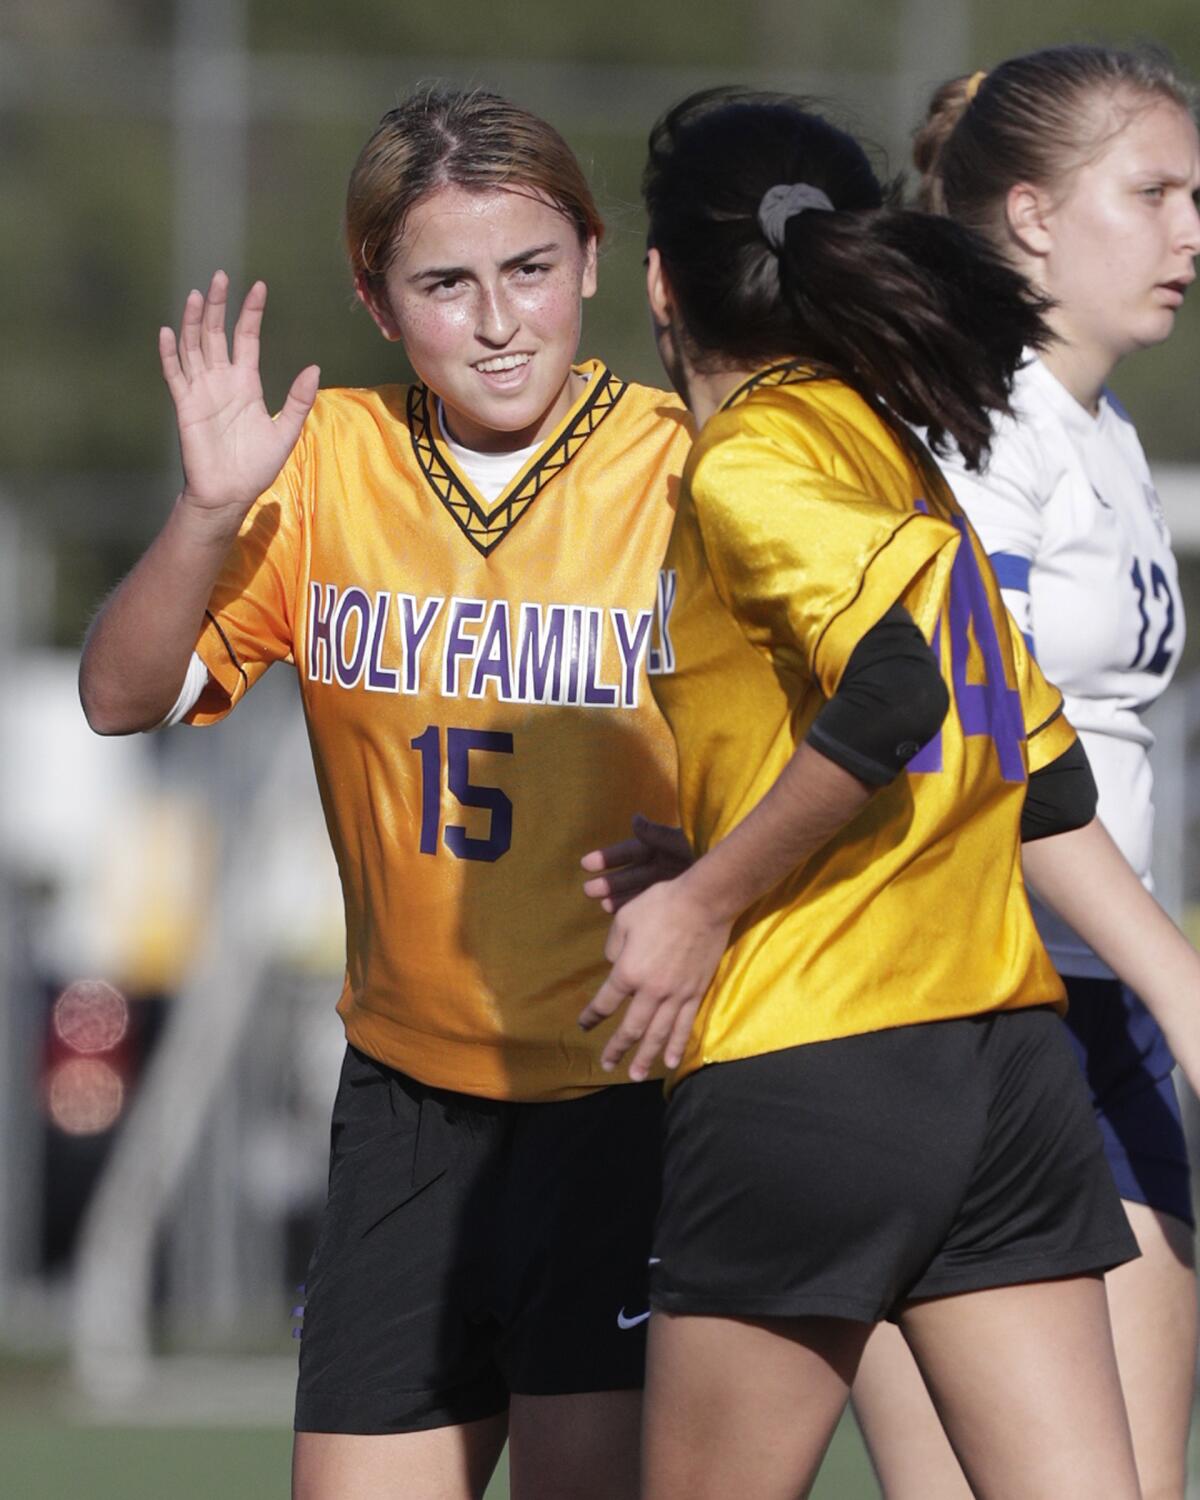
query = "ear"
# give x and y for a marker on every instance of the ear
(658, 289)
(381, 313)
(1028, 210)
(588, 289)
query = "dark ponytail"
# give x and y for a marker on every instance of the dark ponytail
(908, 308)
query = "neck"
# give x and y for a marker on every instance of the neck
(1082, 371)
(707, 390)
(1081, 367)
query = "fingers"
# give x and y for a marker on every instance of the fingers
(641, 1022)
(603, 1004)
(680, 1032)
(613, 855)
(626, 881)
(661, 837)
(247, 331)
(298, 402)
(189, 334)
(659, 1031)
(212, 321)
(168, 355)
(202, 328)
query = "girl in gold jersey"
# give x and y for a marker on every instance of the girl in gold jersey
(875, 1114)
(464, 575)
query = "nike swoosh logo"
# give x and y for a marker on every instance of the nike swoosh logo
(624, 1322)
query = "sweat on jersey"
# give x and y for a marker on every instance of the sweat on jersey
(473, 674)
(1068, 513)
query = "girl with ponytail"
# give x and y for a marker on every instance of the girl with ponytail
(1079, 165)
(874, 1111)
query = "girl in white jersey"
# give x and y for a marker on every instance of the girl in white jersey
(1080, 164)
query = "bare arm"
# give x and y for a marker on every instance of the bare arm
(666, 943)
(137, 652)
(1089, 883)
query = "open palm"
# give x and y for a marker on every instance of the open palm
(232, 447)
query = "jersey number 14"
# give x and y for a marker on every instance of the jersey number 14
(989, 708)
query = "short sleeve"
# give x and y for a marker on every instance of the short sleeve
(1048, 732)
(249, 621)
(808, 564)
(1006, 506)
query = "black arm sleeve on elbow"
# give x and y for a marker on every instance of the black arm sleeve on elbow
(1059, 797)
(891, 701)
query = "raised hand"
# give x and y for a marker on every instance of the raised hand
(232, 448)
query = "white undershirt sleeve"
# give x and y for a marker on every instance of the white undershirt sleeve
(194, 683)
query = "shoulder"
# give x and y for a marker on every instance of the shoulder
(642, 414)
(818, 432)
(1120, 430)
(749, 456)
(1029, 452)
(361, 406)
(349, 429)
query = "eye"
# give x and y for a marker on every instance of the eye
(1154, 191)
(531, 270)
(444, 286)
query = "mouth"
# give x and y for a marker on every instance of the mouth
(502, 364)
(1177, 288)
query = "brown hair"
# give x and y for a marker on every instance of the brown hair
(1035, 119)
(908, 308)
(448, 138)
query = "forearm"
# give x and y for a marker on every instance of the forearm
(811, 800)
(1085, 878)
(137, 651)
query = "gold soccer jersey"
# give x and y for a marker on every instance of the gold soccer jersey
(801, 521)
(474, 680)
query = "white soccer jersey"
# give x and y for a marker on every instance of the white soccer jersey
(1068, 513)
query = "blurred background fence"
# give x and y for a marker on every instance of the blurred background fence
(170, 925)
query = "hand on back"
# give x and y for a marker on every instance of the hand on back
(231, 446)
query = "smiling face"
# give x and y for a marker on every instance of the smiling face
(1115, 249)
(484, 291)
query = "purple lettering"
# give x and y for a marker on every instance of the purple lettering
(380, 679)
(662, 658)
(349, 669)
(540, 665)
(596, 694)
(574, 654)
(462, 611)
(494, 657)
(631, 649)
(320, 623)
(415, 627)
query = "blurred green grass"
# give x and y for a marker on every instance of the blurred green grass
(53, 1462)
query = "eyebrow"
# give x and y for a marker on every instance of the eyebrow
(1169, 179)
(443, 273)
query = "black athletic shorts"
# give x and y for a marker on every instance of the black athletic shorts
(846, 1178)
(473, 1248)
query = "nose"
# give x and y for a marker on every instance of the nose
(1189, 231)
(497, 320)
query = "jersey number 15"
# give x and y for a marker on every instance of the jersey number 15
(459, 744)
